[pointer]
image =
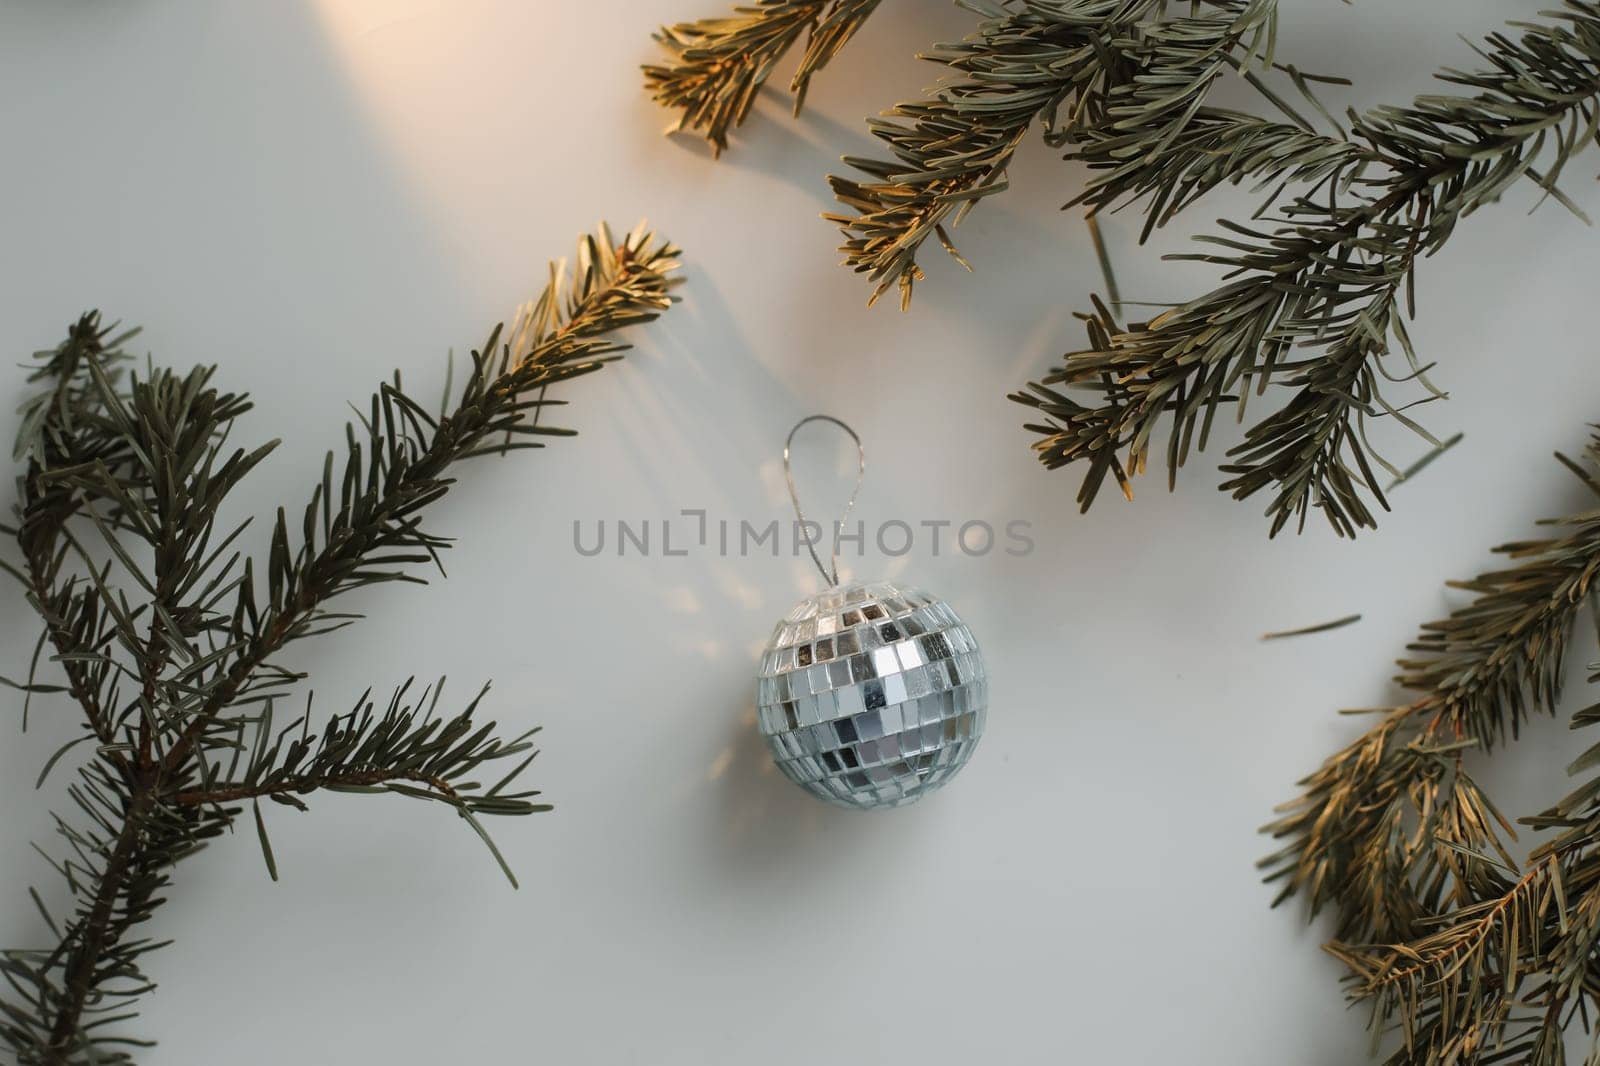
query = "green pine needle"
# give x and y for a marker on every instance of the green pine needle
(168, 638)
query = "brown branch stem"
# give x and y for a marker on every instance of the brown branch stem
(95, 934)
(232, 793)
(1473, 937)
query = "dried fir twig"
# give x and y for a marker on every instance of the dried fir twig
(167, 636)
(720, 64)
(1474, 958)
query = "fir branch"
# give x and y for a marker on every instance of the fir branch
(1479, 674)
(1503, 975)
(1319, 297)
(1117, 82)
(166, 636)
(68, 1001)
(407, 749)
(371, 534)
(1478, 988)
(719, 65)
(1440, 930)
(67, 427)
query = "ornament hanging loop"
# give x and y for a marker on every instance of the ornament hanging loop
(830, 574)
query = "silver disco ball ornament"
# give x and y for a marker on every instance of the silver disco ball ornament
(871, 694)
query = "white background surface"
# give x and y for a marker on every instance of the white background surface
(312, 192)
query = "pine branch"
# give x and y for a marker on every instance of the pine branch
(1145, 154)
(1505, 974)
(406, 749)
(67, 1002)
(64, 427)
(719, 65)
(1478, 988)
(1117, 82)
(1479, 674)
(166, 637)
(1434, 920)
(1319, 297)
(168, 502)
(371, 534)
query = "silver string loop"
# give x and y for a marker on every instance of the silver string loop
(830, 575)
